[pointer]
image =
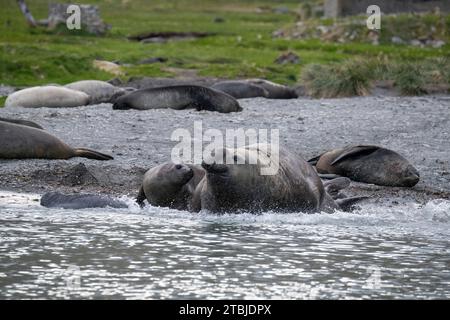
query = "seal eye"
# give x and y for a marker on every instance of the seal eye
(178, 166)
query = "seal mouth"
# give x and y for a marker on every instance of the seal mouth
(215, 168)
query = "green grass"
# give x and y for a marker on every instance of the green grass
(243, 47)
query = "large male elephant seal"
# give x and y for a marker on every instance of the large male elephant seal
(79, 201)
(98, 91)
(179, 97)
(241, 89)
(236, 187)
(369, 164)
(24, 142)
(22, 122)
(170, 185)
(47, 96)
(275, 90)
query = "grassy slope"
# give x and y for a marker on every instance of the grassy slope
(30, 57)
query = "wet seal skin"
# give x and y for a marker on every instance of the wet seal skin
(79, 201)
(178, 97)
(23, 142)
(369, 164)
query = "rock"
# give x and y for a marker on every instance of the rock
(288, 57)
(397, 40)
(219, 20)
(152, 60)
(108, 66)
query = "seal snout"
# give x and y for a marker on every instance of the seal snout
(412, 177)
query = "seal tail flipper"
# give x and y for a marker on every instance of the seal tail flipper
(91, 154)
(332, 187)
(347, 204)
(313, 161)
(141, 197)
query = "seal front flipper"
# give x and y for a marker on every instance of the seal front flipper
(313, 161)
(348, 204)
(355, 152)
(141, 197)
(332, 187)
(91, 154)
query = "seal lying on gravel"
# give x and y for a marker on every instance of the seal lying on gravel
(369, 164)
(47, 96)
(241, 89)
(98, 91)
(275, 90)
(23, 142)
(22, 122)
(178, 97)
(235, 187)
(79, 201)
(170, 185)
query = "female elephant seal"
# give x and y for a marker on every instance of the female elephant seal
(369, 164)
(98, 91)
(22, 122)
(23, 142)
(170, 185)
(275, 90)
(179, 97)
(241, 186)
(241, 89)
(47, 96)
(79, 201)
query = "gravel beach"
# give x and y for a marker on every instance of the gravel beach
(416, 127)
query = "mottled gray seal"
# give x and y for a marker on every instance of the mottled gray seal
(275, 90)
(98, 91)
(47, 96)
(241, 89)
(178, 97)
(241, 187)
(369, 164)
(22, 122)
(170, 185)
(80, 201)
(23, 142)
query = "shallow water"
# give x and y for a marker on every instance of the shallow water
(388, 252)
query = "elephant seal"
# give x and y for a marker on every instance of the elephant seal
(241, 186)
(241, 89)
(179, 97)
(98, 91)
(170, 185)
(369, 164)
(275, 90)
(22, 142)
(47, 96)
(79, 201)
(22, 122)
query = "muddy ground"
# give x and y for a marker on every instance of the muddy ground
(416, 127)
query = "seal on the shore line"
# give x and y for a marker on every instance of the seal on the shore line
(98, 91)
(23, 142)
(79, 201)
(47, 96)
(241, 186)
(369, 164)
(275, 90)
(170, 185)
(241, 89)
(22, 122)
(179, 97)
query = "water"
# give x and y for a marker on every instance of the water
(400, 252)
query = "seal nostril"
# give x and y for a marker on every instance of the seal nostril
(178, 166)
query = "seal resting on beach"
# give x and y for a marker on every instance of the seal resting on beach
(170, 185)
(179, 97)
(275, 90)
(22, 122)
(98, 91)
(79, 201)
(241, 89)
(47, 96)
(23, 142)
(369, 164)
(240, 186)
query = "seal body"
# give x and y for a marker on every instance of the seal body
(275, 90)
(98, 91)
(47, 96)
(79, 201)
(179, 97)
(170, 185)
(240, 186)
(22, 122)
(369, 164)
(241, 89)
(24, 142)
